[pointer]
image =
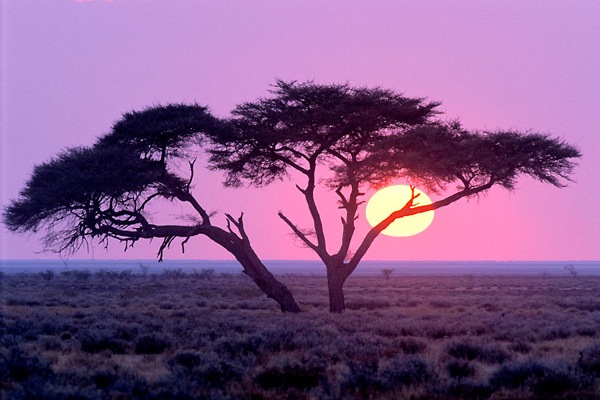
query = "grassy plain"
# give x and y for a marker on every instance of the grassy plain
(175, 336)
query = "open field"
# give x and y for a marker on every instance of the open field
(172, 335)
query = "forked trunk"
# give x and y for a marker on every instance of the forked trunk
(335, 282)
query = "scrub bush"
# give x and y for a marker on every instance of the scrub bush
(487, 353)
(100, 340)
(589, 360)
(151, 344)
(460, 369)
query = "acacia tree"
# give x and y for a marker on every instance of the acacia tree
(104, 192)
(352, 138)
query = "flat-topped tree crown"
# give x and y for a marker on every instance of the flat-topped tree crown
(161, 131)
(438, 154)
(302, 123)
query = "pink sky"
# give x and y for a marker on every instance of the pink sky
(71, 68)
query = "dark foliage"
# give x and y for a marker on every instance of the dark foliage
(20, 366)
(304, 120)
(437, 154)
(539, 378)
(290, 376)
(101, 340)
(589, 360)
(488, 353)
(151, 344)
(160, 131)
(460, 369)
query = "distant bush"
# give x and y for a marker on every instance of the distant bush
(47, 275)
(151, 344)
(387, 273)
(204, 273)
(173, 273)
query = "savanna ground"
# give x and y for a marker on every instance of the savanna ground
(79, 335)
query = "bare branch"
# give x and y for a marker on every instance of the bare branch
(299, 233)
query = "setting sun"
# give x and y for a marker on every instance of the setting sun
(393, 198)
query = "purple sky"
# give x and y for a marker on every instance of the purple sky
(71, 68)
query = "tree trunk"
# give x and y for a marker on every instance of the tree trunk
(254, 268)
(335, 282)
(273, 288)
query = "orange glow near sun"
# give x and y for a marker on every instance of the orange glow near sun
(393, 198)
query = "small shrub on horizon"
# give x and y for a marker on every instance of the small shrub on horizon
(387, 273)
(48, 275)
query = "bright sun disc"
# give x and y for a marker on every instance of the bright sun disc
(393, 198)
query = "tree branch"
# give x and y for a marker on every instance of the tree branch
(406, 211)
(299, 233)
(239, 224)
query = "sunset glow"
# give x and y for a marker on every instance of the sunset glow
(393, 198)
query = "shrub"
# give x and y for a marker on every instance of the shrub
(47, 275)
(542, 379)
(20, 366)
(173, 273)
(520, 347)
(487, 353)
(104, 378)
(412, 346)
(186, 359)
(405, 371)
(204, 273)
(464, 389)
(293, 375)
(100, 340)
(361, 379)
(589, 360)
(460, 369)
(208, 370)
(151, 344)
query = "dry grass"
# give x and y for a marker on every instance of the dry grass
(110, 335)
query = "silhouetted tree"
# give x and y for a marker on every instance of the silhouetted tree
(104, 192)
(351, 138)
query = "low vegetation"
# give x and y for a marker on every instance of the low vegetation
(202, 335)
